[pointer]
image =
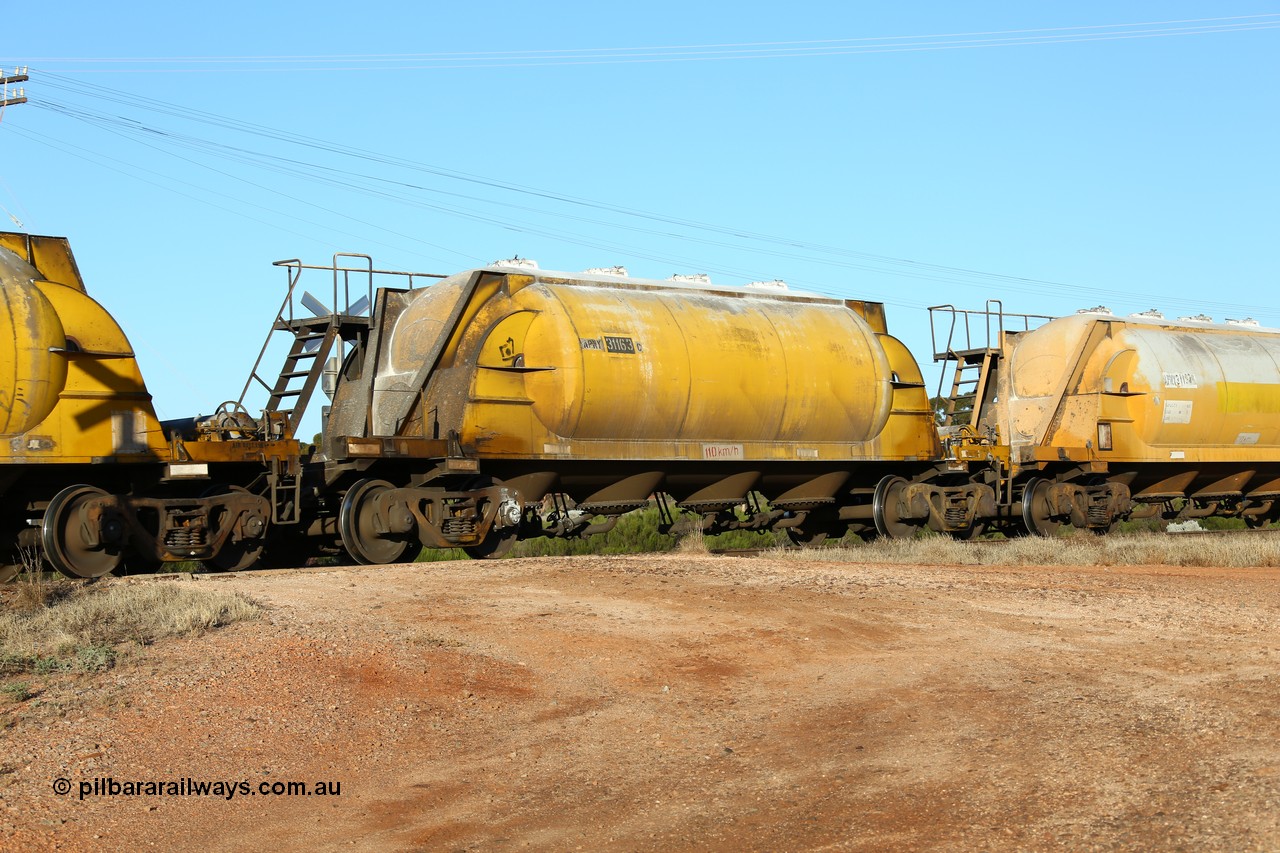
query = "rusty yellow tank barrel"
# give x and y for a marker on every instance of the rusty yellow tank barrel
(1140, 388)
(709, 367)
(70, 387)
(32, 373)
(547, 364)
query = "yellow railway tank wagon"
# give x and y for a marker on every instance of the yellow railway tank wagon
(1109, 417)
(87, 474)
(511, 402)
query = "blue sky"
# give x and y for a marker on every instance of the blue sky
(1053, 156)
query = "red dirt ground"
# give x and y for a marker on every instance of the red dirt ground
(681, 702)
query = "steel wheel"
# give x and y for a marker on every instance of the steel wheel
(494, 547)
(806, 537)
(1035, 508)
(884, 509)
(820, 525)
(14, 558)
(233, 556)
(290, 550)
(972, 532)
(1258, 522)
(357, 519)
(69, 544)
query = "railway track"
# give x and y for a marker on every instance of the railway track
(718, 552)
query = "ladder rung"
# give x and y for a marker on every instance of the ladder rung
(287, 393)
(295, 375)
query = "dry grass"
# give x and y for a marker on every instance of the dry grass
(81, 629)
(32, 592)
(1077, 549)
(692, 541)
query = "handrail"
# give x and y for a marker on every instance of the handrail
(341, 271)
(294, 268)
(993, 319)
(346, 281)
(961, 337)
(999, 318)
(933, 332)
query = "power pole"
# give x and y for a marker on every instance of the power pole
(19, 76)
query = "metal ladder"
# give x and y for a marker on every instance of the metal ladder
(324, 333)
(967, 390)
(972, 349)
(305, 361)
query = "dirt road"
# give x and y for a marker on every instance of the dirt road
(681, 702)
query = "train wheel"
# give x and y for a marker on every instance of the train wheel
(357, 524)
(884, 509)
(493, 547)
(14, 559)
(821, 524)
(69, 546)
(138, 564)
(293, 551)
(972, 532)
(1035, 508)
(233, 556)
(806, 538)
(1257, 522)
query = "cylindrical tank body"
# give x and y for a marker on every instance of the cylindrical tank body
(70, 388)
(637, 365)
(31, 373)
(1157, 387)
(1219, 387)
(556, 364)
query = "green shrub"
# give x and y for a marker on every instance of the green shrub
(635, 533)
(17, 691)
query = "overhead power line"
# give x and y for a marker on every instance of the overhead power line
(669, 53)
(501, 211)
